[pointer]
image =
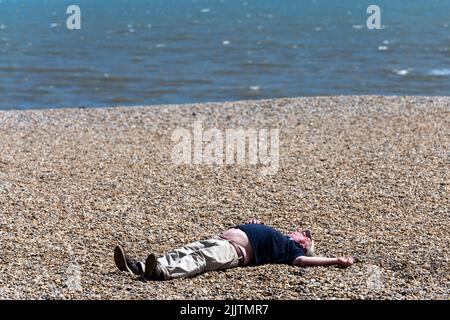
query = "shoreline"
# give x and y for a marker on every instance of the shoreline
(368, 174)
(226, 102)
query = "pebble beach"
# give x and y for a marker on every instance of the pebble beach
(369, 175)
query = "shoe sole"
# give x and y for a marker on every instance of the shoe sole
(150, 265)
(120, 260)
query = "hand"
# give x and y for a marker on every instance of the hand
(345, 261)
(253, 221)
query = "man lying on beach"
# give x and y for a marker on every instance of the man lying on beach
(249, 244)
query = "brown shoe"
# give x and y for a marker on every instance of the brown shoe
(125, 263)
(150, 265)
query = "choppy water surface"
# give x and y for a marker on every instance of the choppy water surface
(178, 51)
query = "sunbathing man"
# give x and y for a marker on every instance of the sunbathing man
(249, 244)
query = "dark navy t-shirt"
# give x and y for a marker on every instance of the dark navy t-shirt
(270, 245)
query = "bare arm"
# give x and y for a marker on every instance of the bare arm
(304, 261)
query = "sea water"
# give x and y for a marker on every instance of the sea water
(181, 51)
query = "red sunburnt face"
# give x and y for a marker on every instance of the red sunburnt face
(301, 238)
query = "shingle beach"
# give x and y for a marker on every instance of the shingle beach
(369, 175)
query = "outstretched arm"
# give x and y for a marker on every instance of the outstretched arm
(304, 261)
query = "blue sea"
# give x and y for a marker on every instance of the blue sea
(131, 52)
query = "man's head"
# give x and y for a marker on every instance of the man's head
(304, 239)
